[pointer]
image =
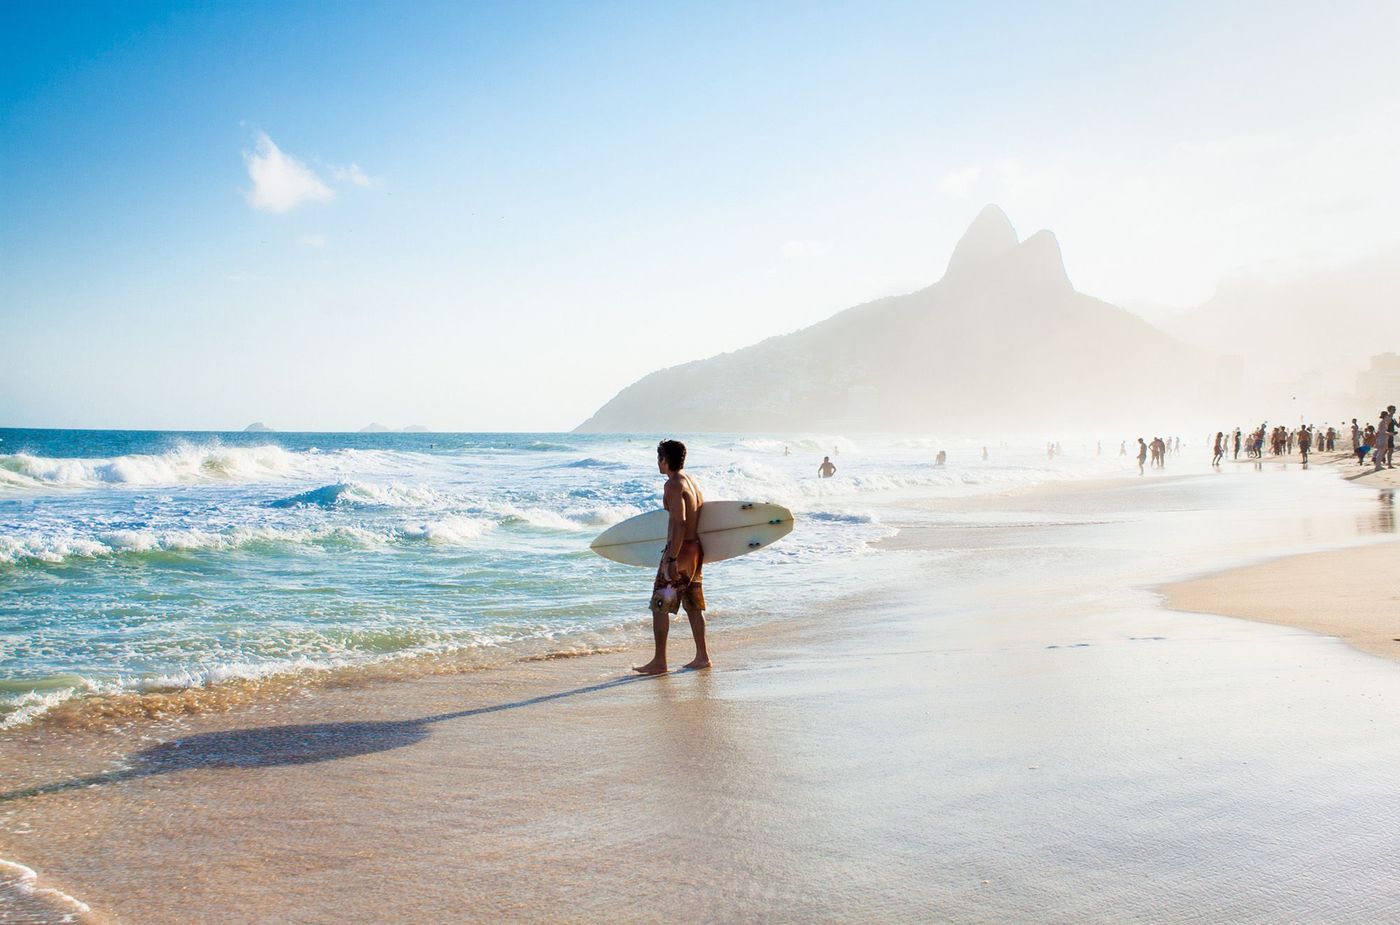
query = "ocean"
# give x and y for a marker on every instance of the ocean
(151, 562)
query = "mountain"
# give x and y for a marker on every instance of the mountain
(257, 427)
(1002, 342)
(374, 428)
(416, 429)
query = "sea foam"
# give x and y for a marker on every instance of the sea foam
(182, 465)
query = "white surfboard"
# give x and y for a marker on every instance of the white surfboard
(727, 529)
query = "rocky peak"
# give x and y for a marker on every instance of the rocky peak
(989, 237)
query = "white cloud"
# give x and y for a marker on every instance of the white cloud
(354, 175)
(959, 183)
(312, 240)
(797, 249)
(280, 181)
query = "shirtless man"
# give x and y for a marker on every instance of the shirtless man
(678, 580)
(827, 469)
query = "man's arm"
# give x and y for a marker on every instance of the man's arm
(675, 527)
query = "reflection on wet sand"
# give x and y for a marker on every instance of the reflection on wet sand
(1018, 733)
(274, 746)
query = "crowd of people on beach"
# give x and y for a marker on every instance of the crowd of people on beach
(1377, 439)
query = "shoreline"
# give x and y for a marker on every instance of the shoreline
(93, 707)
(926, 750)
(1334, 593)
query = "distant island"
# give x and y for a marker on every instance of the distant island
(416, 429)
(374, 428)
(258, 427)
(1002, 340)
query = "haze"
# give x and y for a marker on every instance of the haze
(496, 219)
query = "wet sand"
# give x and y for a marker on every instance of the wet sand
(1018, 732)
(1350, 594)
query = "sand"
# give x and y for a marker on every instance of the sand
(1017, 732)
(1350, 594)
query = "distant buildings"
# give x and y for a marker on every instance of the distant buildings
(1379, 385)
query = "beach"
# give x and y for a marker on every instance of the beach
(1344, 593)
(1017, 730)
(1347, 593)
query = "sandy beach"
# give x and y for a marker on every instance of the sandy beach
(1021, 732)
(377, 376)
(1344, 593)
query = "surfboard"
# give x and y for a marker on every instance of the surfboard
(727, 529)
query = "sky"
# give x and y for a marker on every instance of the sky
(495, 216)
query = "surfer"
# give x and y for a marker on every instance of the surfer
(827, 469)
(678, 579)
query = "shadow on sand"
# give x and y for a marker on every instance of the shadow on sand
(273, 746)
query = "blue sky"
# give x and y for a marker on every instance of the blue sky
(494, 216)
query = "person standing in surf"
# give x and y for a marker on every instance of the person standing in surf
(678, 578)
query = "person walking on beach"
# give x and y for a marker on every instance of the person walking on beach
(827, 469)
(1304, 442)
(1381, 445)
(1123, 448)
(678, 578)
(1390, 444)
(1237, 443)
(1142, 454)
(1219, 448)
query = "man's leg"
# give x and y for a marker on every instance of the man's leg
(697, 629)
(660, 629)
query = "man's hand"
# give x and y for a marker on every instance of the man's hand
(668, 570)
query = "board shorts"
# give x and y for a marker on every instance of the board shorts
(686, 590)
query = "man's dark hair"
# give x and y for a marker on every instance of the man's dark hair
(673, 451)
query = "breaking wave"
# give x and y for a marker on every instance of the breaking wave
(54, 548)
(186, 464)
(361, 494)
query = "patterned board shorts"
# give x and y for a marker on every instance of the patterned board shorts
(686, 590)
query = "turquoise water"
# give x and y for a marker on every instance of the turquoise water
(161, 560)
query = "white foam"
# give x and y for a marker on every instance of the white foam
(804, 443)
(26, 882)
(364, 494)
(60, 546)
(571, 519)
(181, 465)
(193, 677)
(449, 531)
(23, 707)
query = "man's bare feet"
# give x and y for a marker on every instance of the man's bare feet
(696, 664)
(651, 667)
